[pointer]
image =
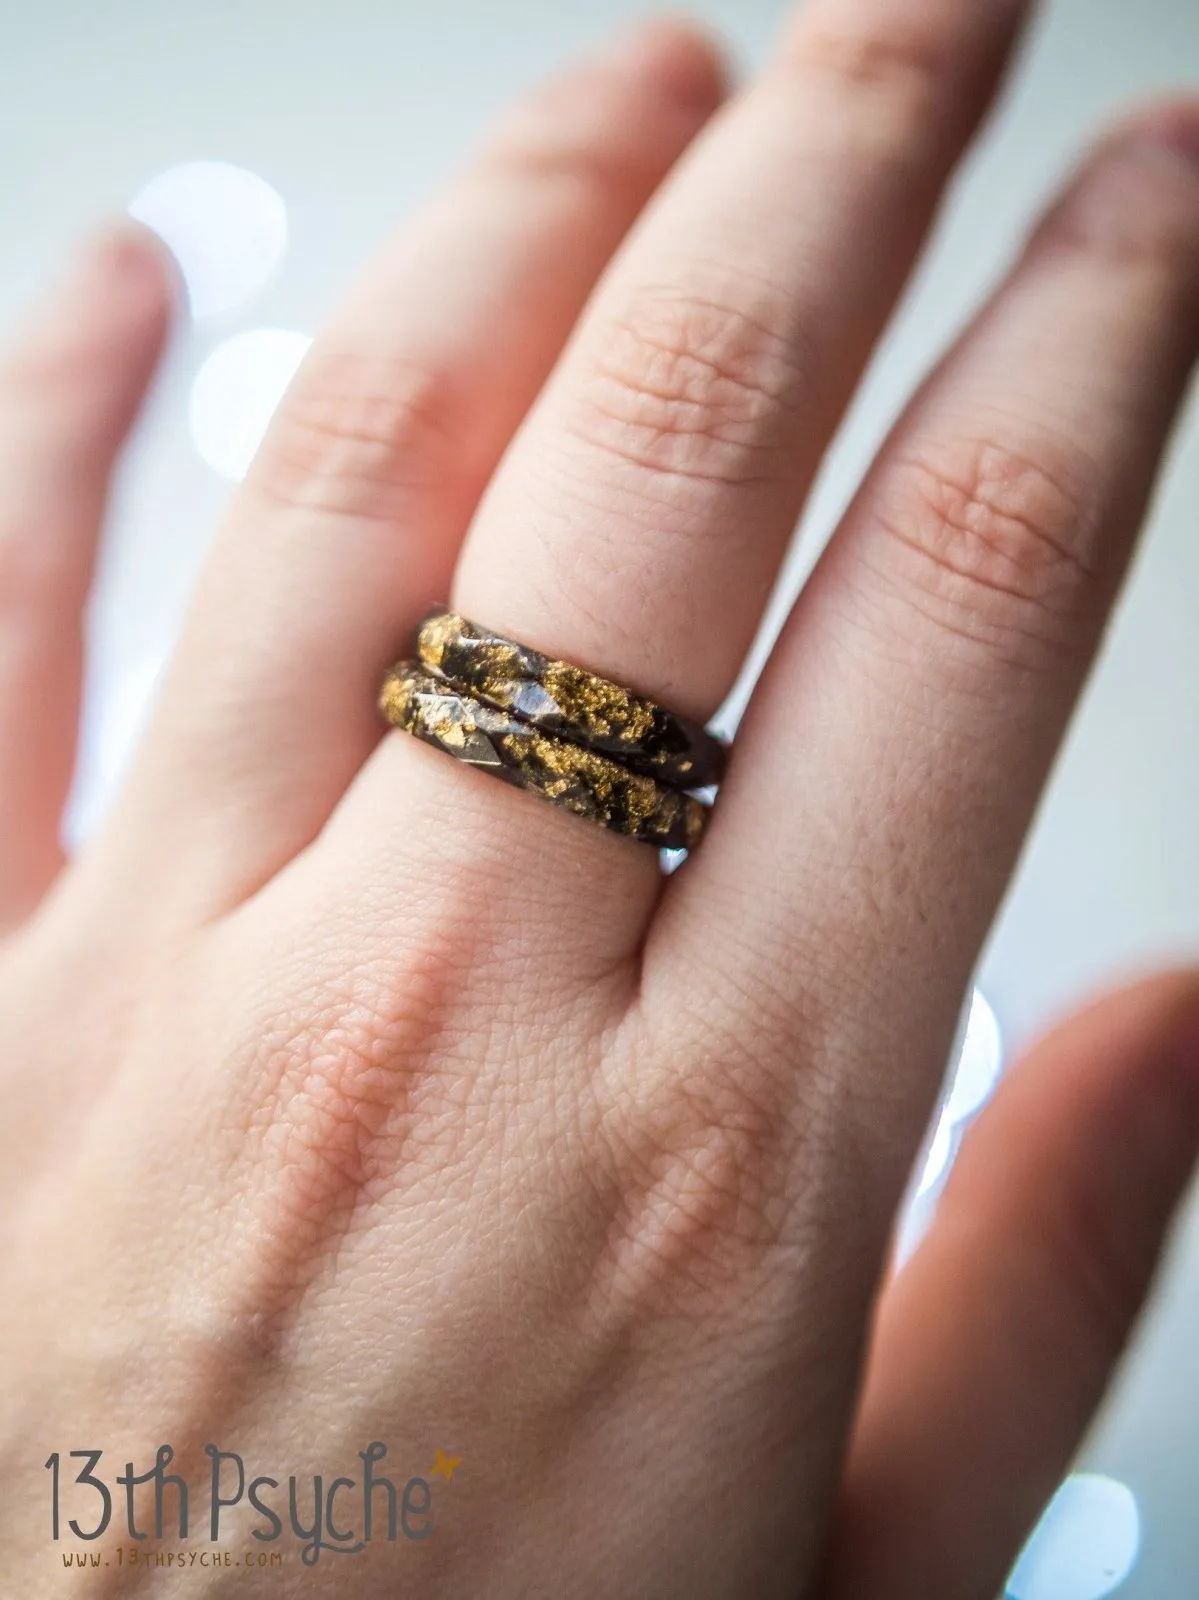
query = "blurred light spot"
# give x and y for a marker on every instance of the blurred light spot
(979, 1063)
(236, 392)
(226, 227)
(1084, 1546)
(936, 1162)
(971, 1078)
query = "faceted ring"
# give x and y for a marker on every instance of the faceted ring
(571, 703)
(583, 781)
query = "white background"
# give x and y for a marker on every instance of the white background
(353, 111)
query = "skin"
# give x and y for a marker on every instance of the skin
(350, 1095)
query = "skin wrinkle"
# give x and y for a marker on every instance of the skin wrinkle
(1023, 652)
(334, 1100)
(531, 151)
(694, 1193)
(346, 1105)
(362, 445)
(1001, 519)
(686, 386)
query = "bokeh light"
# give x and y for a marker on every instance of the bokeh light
(936, 1162)
(969, 1083)
(226, 227)
(236, 393)
(979, 1063)
(1084, 1546)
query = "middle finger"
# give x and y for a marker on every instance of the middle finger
(639, 520)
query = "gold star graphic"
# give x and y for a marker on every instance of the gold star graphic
(444, 1466)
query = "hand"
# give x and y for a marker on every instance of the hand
(352, 1096)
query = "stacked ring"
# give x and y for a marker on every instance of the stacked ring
(589, 745)
(570, 702)
(583, 781)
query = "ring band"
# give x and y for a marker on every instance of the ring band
(571, 703)
(583, 781)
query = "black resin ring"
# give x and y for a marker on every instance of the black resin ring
(582, 781)
(571, 703)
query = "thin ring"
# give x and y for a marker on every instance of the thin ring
(568, 701)
(582, 781)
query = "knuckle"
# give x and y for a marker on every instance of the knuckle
(902, 72)
(359, 432)
(1130, 208)
(889, 57)
(692, 388)
(698, 1162)
(553, 137)
(600, 128)
(995, 544)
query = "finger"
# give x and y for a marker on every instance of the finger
(68, 395)
(994, 1345)
(349, 524)
(891, 760)
(638, 521)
